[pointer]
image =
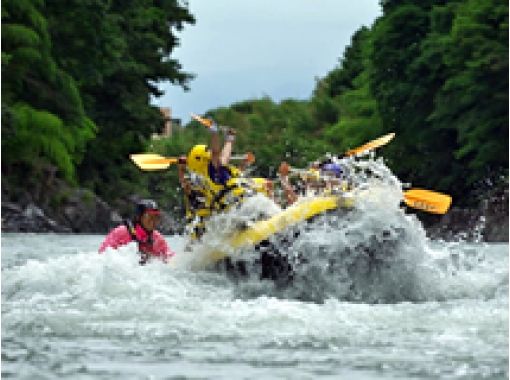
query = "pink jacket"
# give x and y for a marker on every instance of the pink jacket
(120, 236)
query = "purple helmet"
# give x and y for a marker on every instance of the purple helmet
(332, 168)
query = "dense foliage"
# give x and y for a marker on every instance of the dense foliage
(43, 118)
(78, 77)
(77, 80)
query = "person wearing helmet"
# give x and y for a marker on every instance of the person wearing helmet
(198, 159)
(290, 195)
(335, 175)
(213, 163)
(142, 230)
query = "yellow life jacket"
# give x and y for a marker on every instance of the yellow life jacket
(260, 185)
(208, 197)
(311, 175)
(197, 206)
(235, 190)
(197, 203)
(231, 193)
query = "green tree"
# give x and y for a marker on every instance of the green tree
(120, 50)
(358, 119)
(42, 112)
(474, 97)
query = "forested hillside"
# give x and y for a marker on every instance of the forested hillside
(78, 76)
(434, 72)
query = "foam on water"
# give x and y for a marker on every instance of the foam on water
(220, 227)
(56, 294)
(374, 253)
(116, 317)
(386, 301)
(79, 294)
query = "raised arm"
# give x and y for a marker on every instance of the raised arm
(290, 194)
(185, 184)
(227, 148)
(215, 146)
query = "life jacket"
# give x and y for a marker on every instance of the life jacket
(197, 211)
(197, 203)
(143, 238)
(236, 189)
(219, 176)
(197, 206)
(221, 188)
(220, 182)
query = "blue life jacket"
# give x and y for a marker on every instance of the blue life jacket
(333, 168)
(219, 176)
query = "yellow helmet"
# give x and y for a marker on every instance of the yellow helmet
(198, 159)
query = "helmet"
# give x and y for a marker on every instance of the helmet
(146, 205)
(333, 168)
(198, 159)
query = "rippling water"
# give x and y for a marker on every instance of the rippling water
(68, 312)
(371, 298)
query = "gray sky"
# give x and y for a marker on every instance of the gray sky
(245, 49)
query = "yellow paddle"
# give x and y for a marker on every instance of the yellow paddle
(153, 161)
(428, 201)
(371, 145)
(361, 149)
(208, 123)
(202, 120)
(285, 168)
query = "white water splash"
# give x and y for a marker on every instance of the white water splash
(373, 253)
(71, 313)
(220, 228)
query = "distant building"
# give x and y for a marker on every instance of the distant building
(177, 123)
(168, 125)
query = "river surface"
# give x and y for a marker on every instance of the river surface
(68, 312)
(370, 296)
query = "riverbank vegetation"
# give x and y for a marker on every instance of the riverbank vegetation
(77, 78)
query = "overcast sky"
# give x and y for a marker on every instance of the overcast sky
(245, 49)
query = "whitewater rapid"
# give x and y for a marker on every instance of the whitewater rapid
(371, 298)
(69, 312)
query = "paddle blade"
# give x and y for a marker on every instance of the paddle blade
(152, 161)
(205, 122)
(249, 158)
(284, 168)
(371, 145)
(428, 201)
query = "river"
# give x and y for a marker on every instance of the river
(370, 296)
(68, 312)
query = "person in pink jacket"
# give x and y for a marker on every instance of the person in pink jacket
(141, 229)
